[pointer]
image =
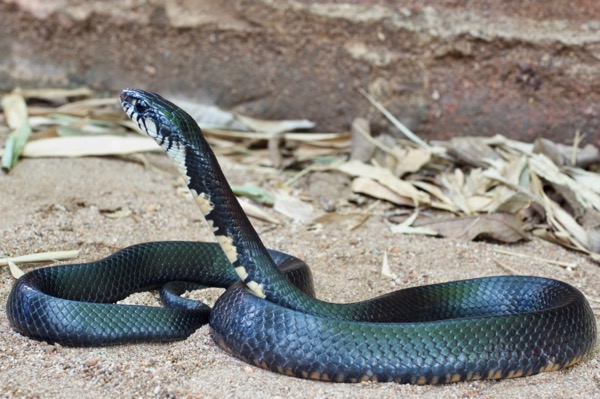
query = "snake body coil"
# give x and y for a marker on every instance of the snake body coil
(495, 327)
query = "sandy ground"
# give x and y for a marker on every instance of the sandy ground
(58, 204)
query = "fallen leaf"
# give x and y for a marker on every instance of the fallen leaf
(84, 108)
(41, 257)
(318, 139)
(585, 156)
(473, 151)
(292, 207)
(549, 149)
(53, 94)
(370, 187)
(274, 127)
(453, 184)
(362, 148)
(253, 192)
(545, 168)
(254, 211)
(82, 146)
(15, 113)
(118, 213)
(514, 203)
(407, 227)
(386, 178)
(275, 147)
(498, 226)
(210, 116)
(385, 267)
(15, 270)
(412, 160)
(585, 178)
(435, 191)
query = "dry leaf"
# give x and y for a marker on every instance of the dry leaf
(550, 150)
(560, 239)
(386, 178)
(85, 107)
(407, 227)
(518, 172)
(473, 151)
(15, 270)
(514, 203)
(591, 223)
(453, 184)
(366, 186)
(41, 257)
(292, 207)
(568, 199)
(565, 223)
(210, 116)
(255, 211)
(385, 267)
(275, 146)
(584, 157)
(514, 146)
(213, 117)
(274, 127)
(435, 191)
(362, 148)
(53, 94)
(82, 146)
(584, 178)
(334, 140)
(412, 160)
(118, 213)
(498, 226)
(543, 167)
(566, 265)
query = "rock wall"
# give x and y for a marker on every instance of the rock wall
(454, 67)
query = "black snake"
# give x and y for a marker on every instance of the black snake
(495, 327)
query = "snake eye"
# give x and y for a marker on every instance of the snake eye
(140, 107)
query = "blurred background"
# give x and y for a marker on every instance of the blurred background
(525, 69)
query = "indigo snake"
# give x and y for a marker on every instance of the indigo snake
(493, 327)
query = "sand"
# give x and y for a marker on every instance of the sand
(62, 204)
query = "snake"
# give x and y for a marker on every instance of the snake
(483, 328)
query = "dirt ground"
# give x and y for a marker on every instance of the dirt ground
(61, 204)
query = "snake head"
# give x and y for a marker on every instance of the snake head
(171, 127)
(154, 115)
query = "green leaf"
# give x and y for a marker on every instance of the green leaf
(15, 111)
(255, 193)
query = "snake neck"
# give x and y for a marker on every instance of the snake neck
(232, 228)
(181, 138)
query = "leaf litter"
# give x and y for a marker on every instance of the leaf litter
(478, 187)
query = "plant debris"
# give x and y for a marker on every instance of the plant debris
(15, 113)
(479, 187)
(40, 257)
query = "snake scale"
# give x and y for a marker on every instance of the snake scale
(493, 327)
